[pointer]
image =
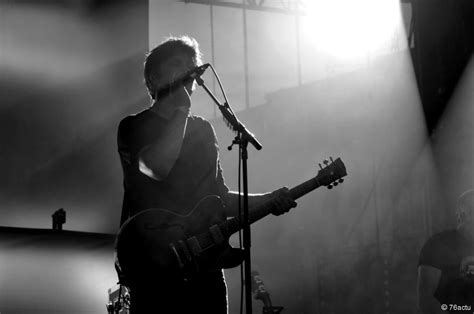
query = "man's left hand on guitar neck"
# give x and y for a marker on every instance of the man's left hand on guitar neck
(282, 201)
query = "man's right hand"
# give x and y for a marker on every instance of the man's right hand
(181, 98)
(178, 99)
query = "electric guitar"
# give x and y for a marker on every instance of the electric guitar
(183, 245)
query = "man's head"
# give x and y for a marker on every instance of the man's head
(169, 60)
(465, 211)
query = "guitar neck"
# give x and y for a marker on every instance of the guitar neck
(235, 224)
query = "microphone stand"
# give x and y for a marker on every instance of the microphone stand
(243, 138)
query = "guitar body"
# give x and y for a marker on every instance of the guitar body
(162, 243)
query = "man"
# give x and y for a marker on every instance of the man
(170, 160)
(446, 265)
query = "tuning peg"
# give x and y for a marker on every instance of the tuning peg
(341, 180)
(326, 162)
(320, 167)
(329, 186)
(335, 183)
(330, 158)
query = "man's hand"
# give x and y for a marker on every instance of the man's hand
(281, 201)
(181, 98)
(178, 99)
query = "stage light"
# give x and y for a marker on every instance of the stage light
(350, 29)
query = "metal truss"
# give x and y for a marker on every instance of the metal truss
(289, 7)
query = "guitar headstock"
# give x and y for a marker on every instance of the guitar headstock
(332, 173)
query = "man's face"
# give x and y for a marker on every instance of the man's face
(172, 68)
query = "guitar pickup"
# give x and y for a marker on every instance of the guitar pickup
(216, 234)
(194, 246)
(185, 250)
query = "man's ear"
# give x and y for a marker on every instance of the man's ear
(153, 80)
(152, 83)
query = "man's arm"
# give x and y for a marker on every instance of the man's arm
(428, 279)
(157, 160)
(283, 202)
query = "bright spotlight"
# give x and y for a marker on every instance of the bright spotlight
(350, 29)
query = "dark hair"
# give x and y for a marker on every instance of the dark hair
(165, 50)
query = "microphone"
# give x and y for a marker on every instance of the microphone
(183, 79)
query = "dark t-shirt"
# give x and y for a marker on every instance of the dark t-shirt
(196, 174)
(453, 254)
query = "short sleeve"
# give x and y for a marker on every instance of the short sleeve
(136, 132)
(432, 253)
(123, 142)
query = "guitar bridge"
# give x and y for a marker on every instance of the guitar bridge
(216, 234)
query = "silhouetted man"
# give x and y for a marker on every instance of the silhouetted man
(446, 265)
(170, 160)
